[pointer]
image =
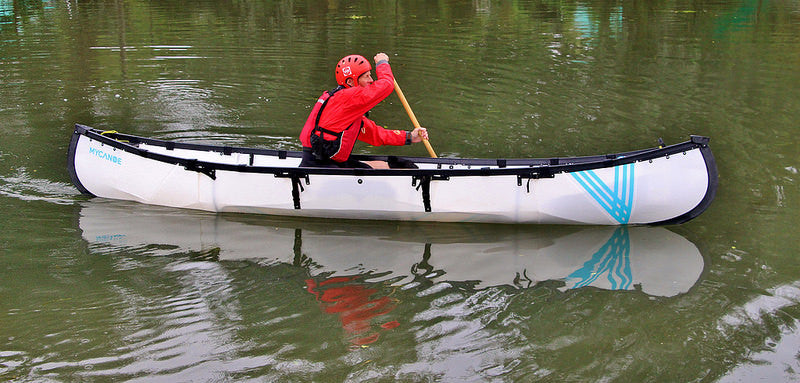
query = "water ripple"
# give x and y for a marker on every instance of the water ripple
(177, 336)
(27, 188)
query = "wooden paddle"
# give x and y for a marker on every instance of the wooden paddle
(412, 117)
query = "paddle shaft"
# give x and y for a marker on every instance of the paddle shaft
(413, 117)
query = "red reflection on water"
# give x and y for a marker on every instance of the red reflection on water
(352, 301)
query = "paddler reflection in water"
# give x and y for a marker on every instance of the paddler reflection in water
(339, 118)
(356, 305)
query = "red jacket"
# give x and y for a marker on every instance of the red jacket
(344, 112)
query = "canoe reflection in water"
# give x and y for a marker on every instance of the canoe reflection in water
(352, 264)
(346, 260)
(651, 259)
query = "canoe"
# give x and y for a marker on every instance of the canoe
(651, 260)
(660, 185)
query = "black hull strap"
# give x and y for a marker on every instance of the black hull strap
(426, 193)
(297, 185)
(425, 185)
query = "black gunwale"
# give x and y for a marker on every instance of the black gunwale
(543, 167)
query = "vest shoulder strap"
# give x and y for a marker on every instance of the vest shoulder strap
(330, 94)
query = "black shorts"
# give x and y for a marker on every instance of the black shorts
(311, 162)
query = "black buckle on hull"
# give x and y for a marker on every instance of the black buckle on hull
(193, 165)
(544, 172)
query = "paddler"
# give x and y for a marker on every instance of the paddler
(339, 118)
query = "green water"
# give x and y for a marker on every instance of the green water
(97, 290)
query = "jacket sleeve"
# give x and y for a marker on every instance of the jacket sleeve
(349, 104)
(375, 135)
(363, 98)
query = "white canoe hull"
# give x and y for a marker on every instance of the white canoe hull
(669, 185)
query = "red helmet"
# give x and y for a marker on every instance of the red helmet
(352, 66)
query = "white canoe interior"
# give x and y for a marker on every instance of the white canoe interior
(661, 185)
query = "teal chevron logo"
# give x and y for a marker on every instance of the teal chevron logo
(617, 199)
(612, 260)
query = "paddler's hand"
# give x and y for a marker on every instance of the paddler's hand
(418, 134)
(381, 57)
